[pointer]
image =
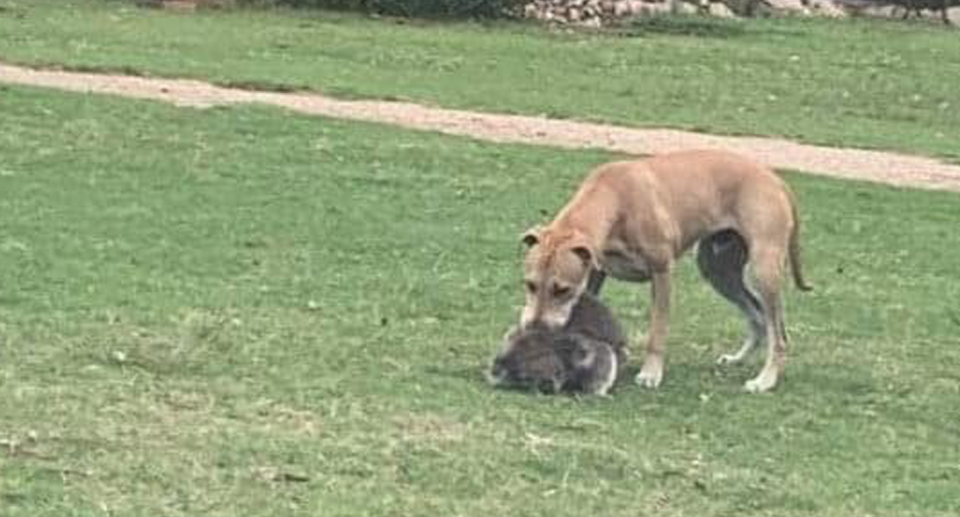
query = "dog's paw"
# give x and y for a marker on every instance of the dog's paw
(745, 350)
(649, 377)
(762, 383)
(727, 359)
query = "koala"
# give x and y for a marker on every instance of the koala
(584, 356)
(553, 361)
(592, 318)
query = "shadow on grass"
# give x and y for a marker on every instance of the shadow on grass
(699, 27)
(476, 375)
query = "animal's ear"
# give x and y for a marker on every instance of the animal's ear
(531, 237)
(587, 255)
(583, 355)
(510, 336)
(584, 253)
(580, 246)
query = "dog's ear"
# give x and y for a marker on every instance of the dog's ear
(587, 255)
(581, 247)
(584, 253)
(531, 237)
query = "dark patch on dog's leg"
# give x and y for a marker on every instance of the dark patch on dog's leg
(721, 259)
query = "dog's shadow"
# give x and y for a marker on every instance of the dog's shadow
(476, 375)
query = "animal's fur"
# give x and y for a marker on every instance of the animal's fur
(633, 219)
(585, 356)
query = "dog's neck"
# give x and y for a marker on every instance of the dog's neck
(593, 221)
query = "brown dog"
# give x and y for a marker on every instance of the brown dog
(632, 220)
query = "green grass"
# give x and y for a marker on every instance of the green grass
(862, 83)
(245, 312)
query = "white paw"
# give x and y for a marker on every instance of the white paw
(737, 357)
(727, 359)
(649, 377)
(761, 384)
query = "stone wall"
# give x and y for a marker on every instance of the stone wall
(596, 13)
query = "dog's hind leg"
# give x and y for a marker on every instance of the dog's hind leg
(767, 262)
(721, 258)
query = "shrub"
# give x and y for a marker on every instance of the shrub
(410, 8)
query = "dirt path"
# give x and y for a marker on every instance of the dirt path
(885, 167)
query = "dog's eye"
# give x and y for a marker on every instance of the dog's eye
(531, 287)
(561, 291)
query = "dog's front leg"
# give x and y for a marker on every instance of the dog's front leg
(652, 371)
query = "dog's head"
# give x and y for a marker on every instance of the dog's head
(556, 271)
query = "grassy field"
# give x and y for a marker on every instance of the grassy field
(856, 83)
(245, 312)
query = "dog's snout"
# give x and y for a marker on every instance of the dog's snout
(550, 320)
(538, 325)
(539, 318)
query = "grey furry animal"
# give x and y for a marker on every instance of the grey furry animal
(584, 356)
(592, 318)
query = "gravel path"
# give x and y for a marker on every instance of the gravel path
(878, 166)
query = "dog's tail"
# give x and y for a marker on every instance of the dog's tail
(794, 248)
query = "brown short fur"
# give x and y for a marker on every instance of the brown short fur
(633, 219)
